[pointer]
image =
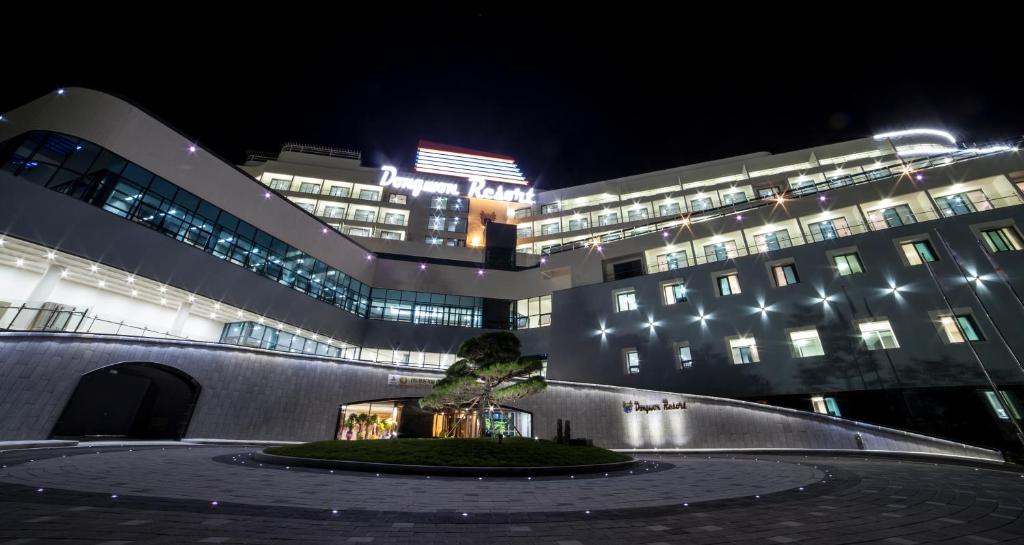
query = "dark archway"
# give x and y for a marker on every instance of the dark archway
(133, 400)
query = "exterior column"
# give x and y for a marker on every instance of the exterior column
(180, 318)
(40, 294)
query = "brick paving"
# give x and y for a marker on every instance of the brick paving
(167, 495)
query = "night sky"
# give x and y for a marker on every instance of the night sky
(572, 101)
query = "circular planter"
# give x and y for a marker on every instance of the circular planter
(457, 471)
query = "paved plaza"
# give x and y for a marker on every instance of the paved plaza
(217, 494)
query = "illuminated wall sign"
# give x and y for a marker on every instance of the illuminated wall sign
(631, 406)
(478, 187)
(406, 380)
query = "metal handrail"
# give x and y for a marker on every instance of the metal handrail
(860, 178)
(75, 321)
(854, 229)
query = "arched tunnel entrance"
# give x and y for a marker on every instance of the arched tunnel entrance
(132, 400)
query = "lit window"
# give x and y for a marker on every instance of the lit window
(625, 300)
(847, 264)
(785, 274)
(1000, 409)
(878, 335)
(608, 219)
(744, 350)
(825, 405)
(673, 260)
(674, 292)
(549, 228)
(632, 359)
(700, 204)
(829, 229)
(776, 240)
(533, 312)
(1002, 239)
(369, 195)
(636, 214)
(683, 353)
(918, 252)
(397, 199)
(806, 343)
(280, 185)
(960, 328)
(309, 187)
(729, 284)
(734, 198)
(720, 251)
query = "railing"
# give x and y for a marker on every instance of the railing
(742, 249)
(872, 176)
(31, 318)
(322, 150)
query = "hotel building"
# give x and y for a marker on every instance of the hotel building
(874, 282)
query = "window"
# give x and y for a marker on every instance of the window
(776, 240)
(523, 213)
(829, 229)
(439, 202)
(918, 252)
(674, 292)
(785, 274)
(825, 405)
(610, 218)
(1002, 239)
(720, 251)
(670, 209)
(435, 223)
(878, 335)
(625, 300)
(549, 229)
(280, 185)
(392, 218)
(744, 350)
(391, 235)
(729, 284)
(309, 187)
(339, 191)
(963, 203)
(959, 328)
(369, 195)
(891, 217)
(579, 223)
(806, 343)
(358, 231)
(524, 232)
(456, 225)
(632, 360)
(364, 215)
(307, 206)
(456, 203)
(549, 208)
(734, 198)
(397, 199)
(1000, 409)
(636, 214)
(672, 261)
(768, 192)
(847, 264)
(701, 203)
(533, 312)
(334, 212)
(683, 355)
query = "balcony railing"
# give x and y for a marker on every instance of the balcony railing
(809, 238)
(55, 318)
(908, 168)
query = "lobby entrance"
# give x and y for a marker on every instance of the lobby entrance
(393, 418)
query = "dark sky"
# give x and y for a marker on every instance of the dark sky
(574, 100)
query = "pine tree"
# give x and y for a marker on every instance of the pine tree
(490, 370)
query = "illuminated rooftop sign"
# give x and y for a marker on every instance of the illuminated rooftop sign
(478, 187)
(434, 158)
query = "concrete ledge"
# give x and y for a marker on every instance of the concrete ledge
(261, 442)
(995, 460)
(21, 445)
(455, 471)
